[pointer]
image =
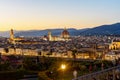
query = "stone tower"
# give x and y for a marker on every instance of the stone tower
(11, 35)
(49, 36)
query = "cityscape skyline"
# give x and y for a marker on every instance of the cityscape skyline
(39, 14)
(59, 40)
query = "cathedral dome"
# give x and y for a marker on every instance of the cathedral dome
(65, 33)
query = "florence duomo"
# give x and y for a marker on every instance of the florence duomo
(65, 36)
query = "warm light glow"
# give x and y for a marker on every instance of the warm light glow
(63, 66)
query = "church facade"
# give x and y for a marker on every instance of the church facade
(115, 45)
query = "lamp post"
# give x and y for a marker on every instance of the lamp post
(63, 67)
(114, 63)
(22, 54)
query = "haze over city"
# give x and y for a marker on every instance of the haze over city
(47, 14)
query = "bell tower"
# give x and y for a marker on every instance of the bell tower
(11, 34)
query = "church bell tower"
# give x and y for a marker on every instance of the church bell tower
(11, 35)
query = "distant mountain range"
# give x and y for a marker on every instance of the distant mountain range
(55, 32)
(113, 29)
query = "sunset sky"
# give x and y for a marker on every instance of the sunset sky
(48, 14)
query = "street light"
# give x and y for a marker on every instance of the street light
(63, 67)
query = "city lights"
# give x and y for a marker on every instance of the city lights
(63, 66)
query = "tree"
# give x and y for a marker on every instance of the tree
(50, 52)
(6, 50)
(0, 58)
(74, 52)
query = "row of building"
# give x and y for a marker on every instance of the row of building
(87, 47)
(65, 36)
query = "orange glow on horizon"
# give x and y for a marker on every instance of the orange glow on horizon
(41, 25)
